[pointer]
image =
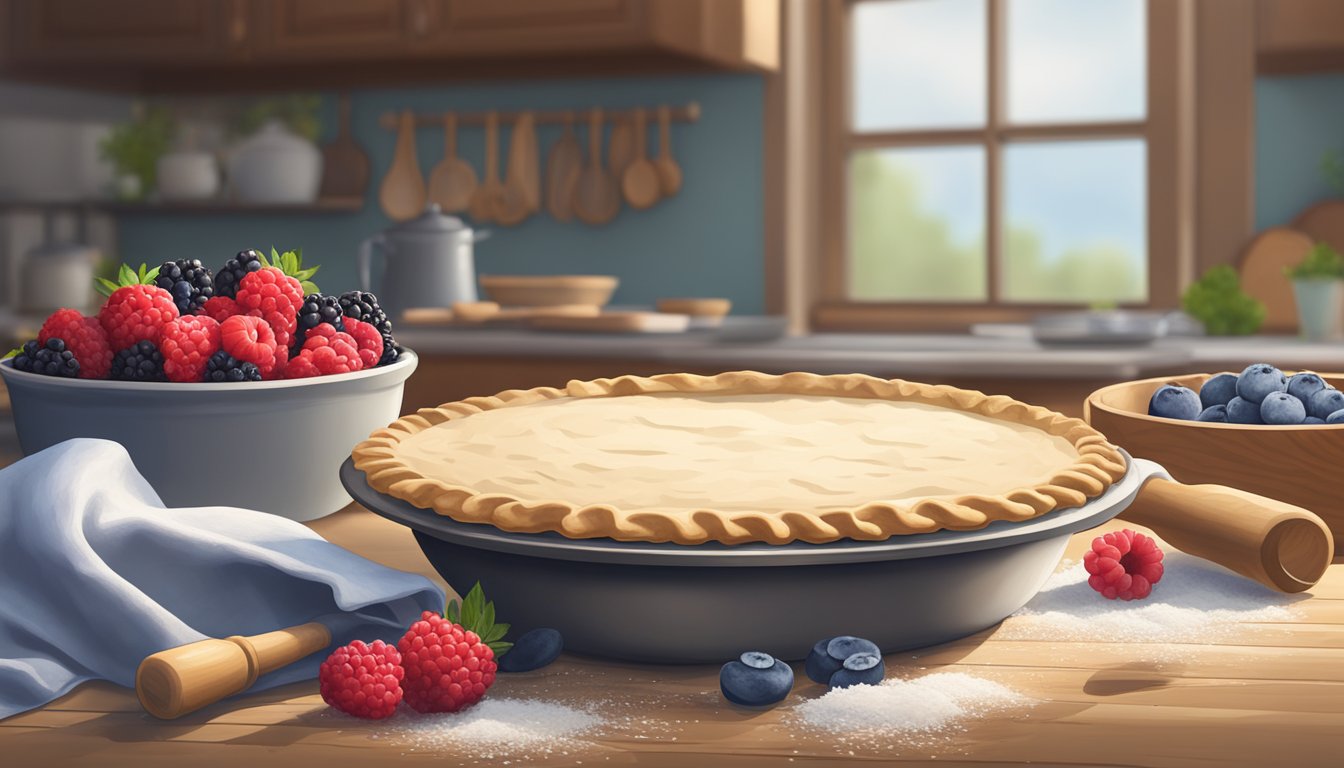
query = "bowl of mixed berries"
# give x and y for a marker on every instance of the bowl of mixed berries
(243, 387)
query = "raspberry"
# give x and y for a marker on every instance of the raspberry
(275, 297)
(368, 338)
(447, 666)
(136, 313)
(250, 340)
(1123, 565)
(317, 309)
(187, 344)
(327, 351)
(84, 337)
(362, 680)
(221, 308)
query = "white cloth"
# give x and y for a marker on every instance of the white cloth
(96, 574)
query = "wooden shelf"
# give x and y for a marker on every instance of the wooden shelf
(201, 207)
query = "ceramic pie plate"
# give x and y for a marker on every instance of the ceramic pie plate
(704, 603)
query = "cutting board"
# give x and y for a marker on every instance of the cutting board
(1262, 264)
(345, 166)
(482, 314)
(616, 322)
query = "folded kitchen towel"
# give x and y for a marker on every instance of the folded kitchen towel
(96, 574)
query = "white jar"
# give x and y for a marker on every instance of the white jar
(187, 175)
(276, 166)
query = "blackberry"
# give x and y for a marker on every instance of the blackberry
(230, 276)
(318, 308)
(223, 367)
(142, 362)
(51, 359)
(190, 284)
(363, 306)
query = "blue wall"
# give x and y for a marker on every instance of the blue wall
(1298, 119)
(706, 241)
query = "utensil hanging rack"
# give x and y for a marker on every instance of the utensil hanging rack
(686, 113)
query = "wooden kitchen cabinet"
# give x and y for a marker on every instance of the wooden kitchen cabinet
(1299, 36)
(200, 45)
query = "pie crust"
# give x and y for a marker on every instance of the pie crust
(387, 463)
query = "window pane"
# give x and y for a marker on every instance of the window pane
(918, 64)
(916, 226)
(1075, 222)
(1076, 61)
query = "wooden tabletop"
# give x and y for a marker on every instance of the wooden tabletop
(1269, 694)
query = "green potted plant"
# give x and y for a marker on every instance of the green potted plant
(1217, 301)
(1318, 287)
(134, 149)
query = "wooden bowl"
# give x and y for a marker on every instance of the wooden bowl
(549, 290)
(1299, 464)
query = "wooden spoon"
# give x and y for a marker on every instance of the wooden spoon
(402, 194)
(509, 201)
(453, 180)
(640, 180)
(562, 172)
(596, 198)
(482, 205)
(620, 147)
(524, 170)
(669, 173)
(345, 166)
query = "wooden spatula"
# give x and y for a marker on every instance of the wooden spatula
(596, 198)
(563, 166)
(524, 170)
(669, 173)
(620, 147)
(482, 206)
(345, 166)
(453, 180)
(640, 180)
(403, 191)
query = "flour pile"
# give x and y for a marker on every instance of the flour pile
(1195, 601)
(499, 728)
(925, 704)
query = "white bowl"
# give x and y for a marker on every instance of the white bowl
(274, 446)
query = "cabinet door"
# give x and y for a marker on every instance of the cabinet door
(59, 31)
(523, 27)
(336, 29)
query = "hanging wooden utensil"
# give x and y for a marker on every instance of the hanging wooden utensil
(510, 206)
(345, 166)
(669, 173)
(524, 170)
(596, 198)
(640, 180)
(620, 147)
(402, 194)
(563, 166)
(482, 205)
(453, 181)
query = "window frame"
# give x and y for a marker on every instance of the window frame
(1169, 75)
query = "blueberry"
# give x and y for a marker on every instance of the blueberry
(1313, 420)
(1282, 408)
(1218, 390)
(860, 669)
(532, 650)
(1241, 411)
(1259, 380)
(820, 666)
(748, 683)
(1304, 385)
(1173, 402)
(1335, 418)
(841, 648)
(1324, 403)
(1213, 413)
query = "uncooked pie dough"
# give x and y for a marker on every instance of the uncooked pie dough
(676, 453)
(739, 457)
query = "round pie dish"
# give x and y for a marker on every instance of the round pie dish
(272, 446)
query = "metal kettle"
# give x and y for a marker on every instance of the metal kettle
(427, 261)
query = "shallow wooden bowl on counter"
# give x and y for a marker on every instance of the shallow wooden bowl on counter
(1300, 465)
(549, 290)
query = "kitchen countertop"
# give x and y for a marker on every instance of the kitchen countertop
(1266, 694)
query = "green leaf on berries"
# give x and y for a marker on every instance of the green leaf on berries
(126, 276)
(477, 615)
(291, 263)
(12, 353)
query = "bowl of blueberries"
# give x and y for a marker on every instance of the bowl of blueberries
(1271, 432)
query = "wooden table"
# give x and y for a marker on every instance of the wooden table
(1272, 694)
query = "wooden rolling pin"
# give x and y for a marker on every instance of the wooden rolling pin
(174, 682)
(1284, 547)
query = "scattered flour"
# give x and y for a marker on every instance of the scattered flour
(498, 728)
(1195, 601)
(924, 704)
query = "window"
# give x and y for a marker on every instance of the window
(991, 159)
